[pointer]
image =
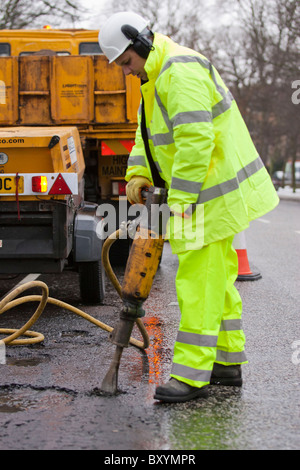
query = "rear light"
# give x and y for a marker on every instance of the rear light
(39, 184)
(60, 187)
(119, 188)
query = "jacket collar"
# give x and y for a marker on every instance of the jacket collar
(158, 56)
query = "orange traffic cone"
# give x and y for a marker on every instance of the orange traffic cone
(244, 271)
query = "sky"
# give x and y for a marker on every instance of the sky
(96, 14)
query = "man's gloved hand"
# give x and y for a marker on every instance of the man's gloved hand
(134, 189)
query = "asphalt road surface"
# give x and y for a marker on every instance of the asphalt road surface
(49, 392)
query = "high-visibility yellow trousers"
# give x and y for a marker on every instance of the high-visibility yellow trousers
(211, 308)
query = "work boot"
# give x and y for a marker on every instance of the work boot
(177, 391)
(226, 375)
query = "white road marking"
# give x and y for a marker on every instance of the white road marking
(264, 221)
(28, 278)
(2, 352)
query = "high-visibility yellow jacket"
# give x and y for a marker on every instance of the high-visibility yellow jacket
(201, 147)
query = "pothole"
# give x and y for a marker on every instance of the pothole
(18, 398)
(26, 362)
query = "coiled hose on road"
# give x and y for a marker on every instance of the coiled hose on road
(10, 302)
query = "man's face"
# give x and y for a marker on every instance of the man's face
(132, 64)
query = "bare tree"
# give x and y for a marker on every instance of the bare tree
(260, 61)
(255, 45)
(18, 14)
(273, 51)
(187, 24)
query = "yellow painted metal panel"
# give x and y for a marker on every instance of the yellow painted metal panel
(34, 90)
(32, 40)
(72, 89)
(133, 97)
(110, 92)
(27, 150)
(8, 90)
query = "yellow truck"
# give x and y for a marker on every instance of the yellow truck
(59, 78)
(52, 82)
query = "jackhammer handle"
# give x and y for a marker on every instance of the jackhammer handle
(144, 192)
(154, 194)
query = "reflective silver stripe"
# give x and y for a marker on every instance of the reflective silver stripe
(222, 106)
(162, 139)
(195, 339)
(231, 357)
(230, 185)
(190, 373)
(165, 138)
(158, 167)
(186, 185)
(134, 160)
(163, 111)
(190, 117)
(191, 209)
(231, 325)
(218, 190)
(250, 169)
(184, 59)
(181, 118)
(225, 103)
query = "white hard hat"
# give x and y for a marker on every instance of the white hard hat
(112, 40)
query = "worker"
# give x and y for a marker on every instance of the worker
(192, 138)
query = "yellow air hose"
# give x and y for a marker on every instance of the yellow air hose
(10, 302)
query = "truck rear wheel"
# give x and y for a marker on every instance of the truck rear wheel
(92, 282)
